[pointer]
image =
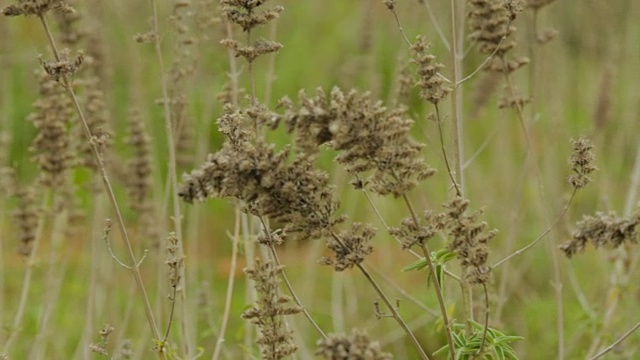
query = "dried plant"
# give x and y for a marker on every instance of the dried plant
(356, 346)
(275, 339)
(602, 230)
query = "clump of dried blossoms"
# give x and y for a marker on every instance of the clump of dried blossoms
(25, 218)
(431, 81)
(34, 7)
(581, 161)
(369, 137)
(469, 237)
(245, 14)
(602, 229)
(410, 233)
(350, 247)
(52, 146)
(291, 192)
(275, 340)
(357, 345)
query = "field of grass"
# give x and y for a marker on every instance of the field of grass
(122, 238)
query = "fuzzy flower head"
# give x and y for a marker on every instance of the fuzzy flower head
(275, 341)
(431, 82)
(602, 230)
(371, 140)
(270, 183)
(469, 239)
(356, 346)
(35, 7)
(350, 247)
(581, 161)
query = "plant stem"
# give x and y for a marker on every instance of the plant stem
(109, 189)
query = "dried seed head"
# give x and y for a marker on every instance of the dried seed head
(350, 247)
(52, 148)
(490, 23)
(357, 345)
(243, 13)
(267, 313)
(469, 238)
(390, 4)
(581, 161)
(602, 229)
(65, 68)
(251, 52)
(431, 82)
(25, 218)
(175, 261)
(139, 166)
(368, 136)
(35, 7)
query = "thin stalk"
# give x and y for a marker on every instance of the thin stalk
(109, 189)
(458, 144)
(540, 237)
(615, 343)
(557, 278)
(444, 152)
(438, 287)
(173, 180)
(295, 297)
(230, 285)
(26, 281)
(385, 299)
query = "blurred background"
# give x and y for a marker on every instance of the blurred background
(583, 82)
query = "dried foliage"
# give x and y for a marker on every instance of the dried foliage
(602, 230)
(275, 339)
(356, 346)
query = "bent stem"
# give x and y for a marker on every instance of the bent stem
(230, 282)
(432, 270)
(66, 83)
(26, 281)
(173, 180)
(386, 300)
(540, 237)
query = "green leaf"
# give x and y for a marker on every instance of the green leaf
(417, 265)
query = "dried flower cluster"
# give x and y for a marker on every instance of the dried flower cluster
(431, 81)
(244, 13)
(275, 340)
(469, 238)
(350, 247)
(175, 261)
(25, 218)
(490, 24)
(368, 136)
(101, 347)
(64, 68)
(356, 346)
(292, 192)
(139, 165)
(52, 148)
(35, 7)
(602, 229)
(581, 161)
(410, 233)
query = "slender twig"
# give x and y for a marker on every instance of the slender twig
(615, 343)
(437, 285)
(444, 152)
(26, 281)
(107, 184)
(173, 180)
(386, 300)
(235, 239)
(436, 24)
(540, 237)
(486, 319)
